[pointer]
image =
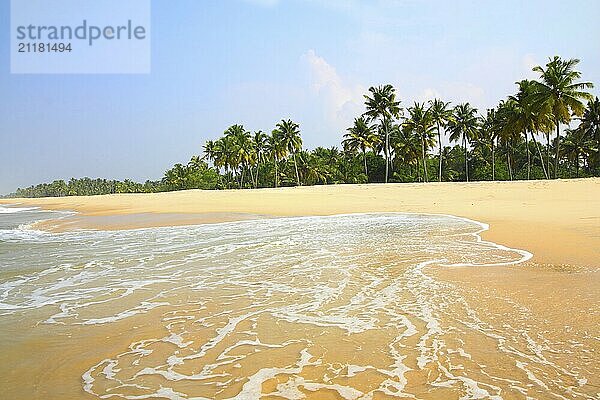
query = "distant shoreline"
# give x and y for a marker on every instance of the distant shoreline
(558, 221)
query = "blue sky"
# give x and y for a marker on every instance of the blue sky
(220, 62)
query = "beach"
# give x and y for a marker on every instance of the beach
(558, 221)
(398, 267)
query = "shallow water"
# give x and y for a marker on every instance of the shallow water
(312, 307)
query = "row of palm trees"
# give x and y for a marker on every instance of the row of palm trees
(241, 152)
(538, 108)
(405, 137)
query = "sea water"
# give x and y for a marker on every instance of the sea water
(322, 307)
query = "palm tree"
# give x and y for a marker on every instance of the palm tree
(406, 144)
(576, 144)
(360, 136)
(382, 106)
(590, 121)
(243, 149)
(420, 122)
(505, 131)
(489, 131)
(225, 155)
(525, 119)
(316, 168)
(276, 147)
(259, 143)
(559, 94)
(589, 124)
(440, 116)
(463, 126)
(209, 150)
(290, 133)
(196, 163)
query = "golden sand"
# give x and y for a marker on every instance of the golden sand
(558, 221)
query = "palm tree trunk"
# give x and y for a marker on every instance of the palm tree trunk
(387, 150)
(276, 175)
(226, 177)
(540, 154)
(365, 161)
(513, 161)
(493, 160)
(440, 153)
(242, 177)
(256, 176)
(548, 153)
(466, 158)
(528, 155)
(296, 168)
(510, 175)
(577, 165)
(424, 164)
(557, 150)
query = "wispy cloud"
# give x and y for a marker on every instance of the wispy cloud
(342, 99)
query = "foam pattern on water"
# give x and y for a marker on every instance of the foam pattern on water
(286, 307)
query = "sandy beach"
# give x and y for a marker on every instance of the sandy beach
(545, 308)
(558, 221)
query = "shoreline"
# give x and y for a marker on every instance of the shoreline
(558, 221)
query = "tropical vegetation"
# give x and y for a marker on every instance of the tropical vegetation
(549, 128)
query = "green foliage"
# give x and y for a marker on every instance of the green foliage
(85, 187)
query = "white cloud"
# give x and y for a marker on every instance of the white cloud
(428, 94)
(341, 100)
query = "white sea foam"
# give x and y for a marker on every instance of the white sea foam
(15, 210)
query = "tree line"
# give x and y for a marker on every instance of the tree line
(528, 135)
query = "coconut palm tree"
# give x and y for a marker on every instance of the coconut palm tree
(225, 155)
(577, 144)
(590, 121)
(441, 114)
(360, 136)
(589, 124)
(277, 148)
(209, 150)
(196, 163)
(505, 131)
(290, 134)
(525, 119)
(463, 126)
(406, 144)
(559, 93)
(382, 106)
(244, 151)
(489, 130)
(316, 169)
(420, 122)
(259, 144)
